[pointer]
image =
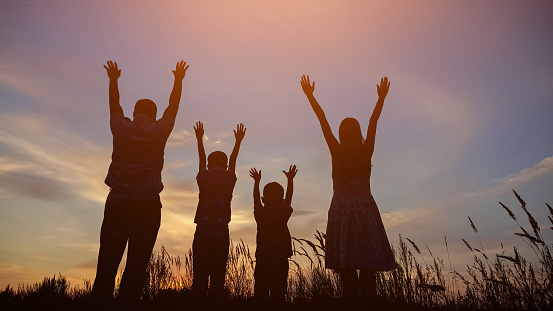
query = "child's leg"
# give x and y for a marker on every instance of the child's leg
(261, 285)
(200, 258)
(219, 255)
(279, 281)
(367, 284)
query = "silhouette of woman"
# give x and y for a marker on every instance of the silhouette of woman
(355, 235)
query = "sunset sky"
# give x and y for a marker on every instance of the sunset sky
(469, 115)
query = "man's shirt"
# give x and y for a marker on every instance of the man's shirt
(138, 149)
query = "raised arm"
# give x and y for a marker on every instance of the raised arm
(239, 135)
(113, 73)
(199, 130)
(290, 187)
(256, 194)
(382, 91)
(174, 99)
(308, 89)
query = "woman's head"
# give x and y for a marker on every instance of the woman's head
(352, 158)
(350, 133)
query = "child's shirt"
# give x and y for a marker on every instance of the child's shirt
(216, 188)
(273, 236)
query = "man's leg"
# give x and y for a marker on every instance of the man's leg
(145, 215)
(113, 239)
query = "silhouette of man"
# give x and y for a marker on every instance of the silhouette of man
(133, 208)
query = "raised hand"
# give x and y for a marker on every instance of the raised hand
(306, 85)
(290, 188)
(383, 88)
(255, 174)
(199, 130)
(239, 135)
(256, 194)
(180, 70)
(113, 71)
(291, 172)
(240, 132)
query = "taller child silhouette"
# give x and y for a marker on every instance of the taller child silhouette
(355, 235)
(133, 208)
(210, 248)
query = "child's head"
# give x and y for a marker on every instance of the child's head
(147, 107)
(273, 193)
(217, 159)
(350, 133)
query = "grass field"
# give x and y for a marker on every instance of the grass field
(505, 281)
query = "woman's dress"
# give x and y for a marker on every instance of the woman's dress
(355, 234)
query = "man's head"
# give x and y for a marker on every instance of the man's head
(273, 193)
(217, 159)
(147, 107)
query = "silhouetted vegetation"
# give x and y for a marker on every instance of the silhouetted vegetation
(503, 281)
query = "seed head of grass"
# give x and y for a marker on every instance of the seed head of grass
(531, 219)
(414, 245)
(509, 211)
(473, 226)
(531, 238)
(428, 248)
(468, 245)
(511, 259)
(522, 203)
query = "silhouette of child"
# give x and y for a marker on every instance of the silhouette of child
(274, 244)
(355, 235)
(211, 239)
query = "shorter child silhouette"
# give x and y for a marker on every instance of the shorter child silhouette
(274, 244)
(211, 239)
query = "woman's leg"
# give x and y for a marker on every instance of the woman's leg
(367, 285)
(350, 283)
